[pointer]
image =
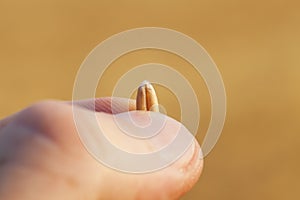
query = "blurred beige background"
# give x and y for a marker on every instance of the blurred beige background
(255, 44)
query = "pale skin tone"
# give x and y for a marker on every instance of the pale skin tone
(42, 157)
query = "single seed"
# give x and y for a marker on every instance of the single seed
(146, 98)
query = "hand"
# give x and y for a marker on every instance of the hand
(42, 157)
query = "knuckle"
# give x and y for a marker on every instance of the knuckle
(43, 114)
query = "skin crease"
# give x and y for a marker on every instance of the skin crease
(42, 157)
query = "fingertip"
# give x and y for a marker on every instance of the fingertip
(112, 105)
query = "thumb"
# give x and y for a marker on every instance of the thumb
(170, 181)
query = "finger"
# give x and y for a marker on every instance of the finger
(170, 182)
(55, 119)
(50, 116)
(107, 104)
(6, 121)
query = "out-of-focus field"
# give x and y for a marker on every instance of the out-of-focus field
(255, 44)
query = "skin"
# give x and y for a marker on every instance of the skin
(42, 157)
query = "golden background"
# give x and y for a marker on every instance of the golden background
(255, 44)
